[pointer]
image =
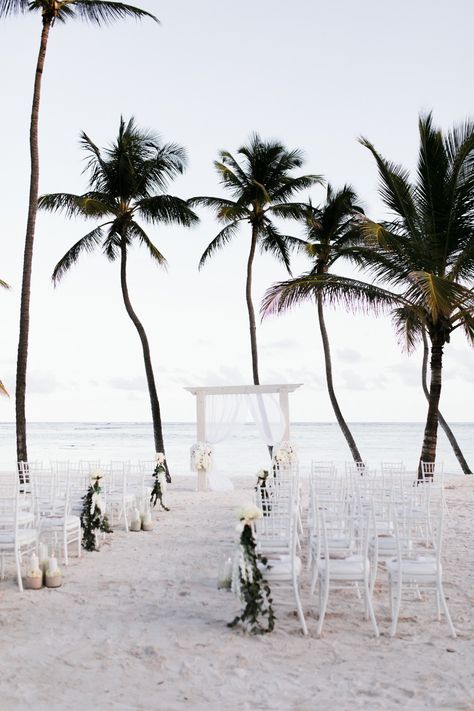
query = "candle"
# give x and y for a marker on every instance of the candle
(34, 562)
(52, 566)
(146, 518)
(43, 552)
(136, 515)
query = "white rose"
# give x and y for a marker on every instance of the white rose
(159, 458)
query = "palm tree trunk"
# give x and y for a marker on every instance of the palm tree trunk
(332, 395)
(447, 429)
(22, 357)
(155, 405)
(428, 450)
(251, 311)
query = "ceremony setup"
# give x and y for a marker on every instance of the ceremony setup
(236, 348)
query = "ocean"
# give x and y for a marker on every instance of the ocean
(243, 453)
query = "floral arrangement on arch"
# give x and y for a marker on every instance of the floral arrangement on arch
(285, 455)
(159, 484)
(247, 579)
(93, 517)
(201, 457)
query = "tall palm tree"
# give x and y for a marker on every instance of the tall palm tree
(425, 252)
(52, 11)
(126, 181)
(410, 333)
(260, 182)
(3, 390)
(444, 425)
(330, 234)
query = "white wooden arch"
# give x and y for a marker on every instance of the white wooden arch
(282, 390)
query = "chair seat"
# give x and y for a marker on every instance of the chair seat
(345, 568)
(24, 518)
(387, 546)
(25, 537)
(279, 568)
(416, 568)
(51, 522)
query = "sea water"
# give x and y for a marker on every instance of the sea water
(243, 453)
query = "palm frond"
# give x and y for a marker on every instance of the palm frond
(13, 7)
(439, 296)
(135, 231)
(3, 390)
(4, 284)
(88, 205)
(103, 12)
(85, 244)
(408, 326)
(167, 209)
(225, 210)
(223, 238)
(270, 240)
(396, 190)
(335, 290)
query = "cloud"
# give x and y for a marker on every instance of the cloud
(42, 382)
(353, 380)
(348, 355)
(282, 344)
(409, 374)
(138, 383)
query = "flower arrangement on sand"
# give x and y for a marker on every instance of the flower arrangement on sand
(201, 457)
(248, 582)
(285, 455)
(93, 517)
(159, 484)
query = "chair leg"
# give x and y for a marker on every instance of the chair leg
(299, 607)
(397, 599)
(66, 559)
(323, 605)
(18, 570)
(314, 578)
(79, 542)
(370, 607)
(444, 605)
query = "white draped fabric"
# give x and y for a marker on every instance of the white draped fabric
(268, 416)
(223, 413)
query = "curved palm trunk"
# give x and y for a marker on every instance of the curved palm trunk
(155, 405)
(332, 395)
(428, 450)
(251, 311)
(446, 428)
(22, 357)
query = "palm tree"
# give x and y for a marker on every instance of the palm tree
(52, 11)
(444, 425)
(425, 252)
(330, 235)
(126, 181)
(3, 390)
(262, 187)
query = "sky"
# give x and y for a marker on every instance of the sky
(315, 75)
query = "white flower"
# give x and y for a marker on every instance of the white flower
(162, 480)
(97, 501)
(248, 513)
(201, 457)
(285, 454)
(96, 476)
(159, 458)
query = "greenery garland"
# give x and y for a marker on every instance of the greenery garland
(93, 518)
(160, 479)
(254, 590)
(261, 486)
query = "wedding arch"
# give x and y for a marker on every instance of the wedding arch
(219, 408)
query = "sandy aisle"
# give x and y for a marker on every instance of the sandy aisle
(141, 625)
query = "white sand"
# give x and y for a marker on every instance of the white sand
(141, 625)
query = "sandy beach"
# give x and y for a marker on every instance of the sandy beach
(142, 625)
